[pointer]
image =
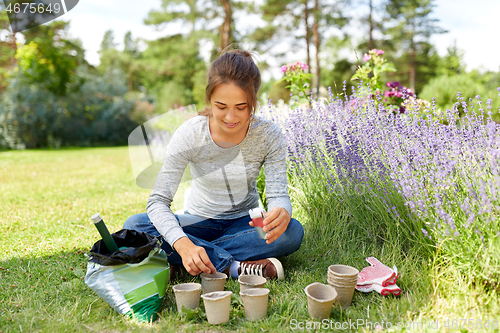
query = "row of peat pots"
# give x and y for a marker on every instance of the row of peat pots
(217, 301)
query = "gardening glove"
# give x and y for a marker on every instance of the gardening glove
(390, 289)
(377, 273)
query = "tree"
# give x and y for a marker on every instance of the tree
(225, 31)
(338, 70)
(108, 41)
(297, 19)
(200, 16)
(175, 71)
(53, 56)
(410, 27)
(130, 45)
(171, 66)
(371, 44)
(373, 23)
(7, 47)
(127, 61)
(453, 62)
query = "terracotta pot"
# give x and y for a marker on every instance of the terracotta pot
(255, 302)
(320, 298)
(187, 294)
(212, 282)
(217, 306)
(251, 281)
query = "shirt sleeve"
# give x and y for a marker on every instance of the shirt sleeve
(167, 182)
(275, 171)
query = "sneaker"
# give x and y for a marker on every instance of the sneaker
(269, 268)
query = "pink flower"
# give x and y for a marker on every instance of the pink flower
(294, 67)
(366, 57)
(379, 52)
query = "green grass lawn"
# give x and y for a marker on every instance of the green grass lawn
(48, 197)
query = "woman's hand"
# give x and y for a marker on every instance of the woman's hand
(275, 223)
(194, 258)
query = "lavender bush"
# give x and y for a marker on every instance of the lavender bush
(403, 178)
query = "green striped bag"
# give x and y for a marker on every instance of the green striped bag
(132, 280)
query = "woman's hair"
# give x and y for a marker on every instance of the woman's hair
(238, 67)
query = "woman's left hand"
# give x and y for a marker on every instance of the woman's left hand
(275, 223)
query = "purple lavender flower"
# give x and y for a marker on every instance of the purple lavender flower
(438, 168)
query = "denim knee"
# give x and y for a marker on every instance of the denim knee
(137, 222)
(297, 234)
(291, 239)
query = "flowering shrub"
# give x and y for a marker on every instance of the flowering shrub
(298, 80)
(395, 96)
(404, 179)
(370, 72)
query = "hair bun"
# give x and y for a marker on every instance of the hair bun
(246, 54)
(243, 53)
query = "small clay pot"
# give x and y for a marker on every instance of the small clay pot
(212, 282)
(187, 294)
(217, 306)
(320, 298)
(251, 281)
(255, 302)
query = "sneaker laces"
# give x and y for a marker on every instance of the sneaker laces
(252, 269)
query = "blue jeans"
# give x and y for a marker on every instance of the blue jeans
(225, 240)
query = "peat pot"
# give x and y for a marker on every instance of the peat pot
(187, 294)
(217, 306)
(212, 282)
(251, 281)
(255, 302)
(320, 298)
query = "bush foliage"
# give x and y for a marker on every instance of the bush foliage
(93, 112)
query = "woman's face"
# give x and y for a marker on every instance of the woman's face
(230, 111)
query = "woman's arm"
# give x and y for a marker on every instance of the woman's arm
(279, 205)
(167, 182)
(178, 155)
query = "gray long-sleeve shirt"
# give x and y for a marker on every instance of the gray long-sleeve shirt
(224, 179)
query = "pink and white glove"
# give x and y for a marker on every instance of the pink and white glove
(390, 289)
(377, 273)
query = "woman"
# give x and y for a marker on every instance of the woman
(225, 145)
